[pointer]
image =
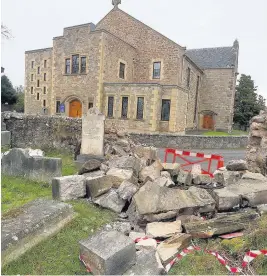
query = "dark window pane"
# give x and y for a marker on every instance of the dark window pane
(90, 105)
(124, 109)
(44, 103)
(38, 70)
(31, 90)
(31, 77)
(57, 106)
(188, 77)
(44, 89)
(32, 64)
(67, 66)
(44, 76)
(38, 83)
(165, 110)
(83, 64)
(110, 106)
(156, 70)
(38, 96)
(122, 70)
(45, 63)
(140, 108)
(75, 64)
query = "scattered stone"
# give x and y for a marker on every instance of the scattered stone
(123, 227)
(202, 179)
(127, 190)
(262, 209)
(188, 218)
(225, 199)
(18, 162)
(172, 168)
(33, 223)
(219, 177)
(98, 186)
(136, 235)
(122, 175)
(93, 174)
(164, 182)
(160, 217)
(163, 229)
(222, 225)
(152, 171)
(119, 150)
(169, 248)
(90, 166)
(68, 187)
(111, 201)
(147, 263)
(227, 177)
(146, 244)
(127, 163)
(108, 253)
(237, 165)
(165, 174)
(104, 168)
(185, 178)
(196, 170)
(148, 153)
(254, 176)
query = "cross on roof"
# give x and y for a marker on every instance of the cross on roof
(116, 3)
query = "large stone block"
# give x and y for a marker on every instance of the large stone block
(237, 165)
(19, 162)
(108, 253)
(127, 190)
(121, 175)
(33, 223)
(98, 186)
(163, 229)
(185, 178)
(68, 187)
(127, 163)
(225, 199)
(152, 171)
(5, 138)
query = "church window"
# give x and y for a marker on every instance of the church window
(31, 90)
(156, 70)
(38, 70)
(75, 64)
(57, 106)
(44, 103)
(124, 107)
(90, 105)
(188, 77)
(83, 64)
(38, 96)
(165, 110)
(44, 89)
(31, 77)
(140, 108)
(44, 76)
(45, 63)
(122, 71)
(67, 66)
(110, 106)
(38, 83)
(32, 64)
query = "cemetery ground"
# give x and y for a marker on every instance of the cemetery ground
(58, 255)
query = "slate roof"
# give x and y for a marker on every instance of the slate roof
(221, 57)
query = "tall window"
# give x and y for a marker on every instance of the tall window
(57, 106)
(44, 89)
(90, 105)
(44, 103)
(188, 77)
(75, 64)
(32, 64)
(140, 108)
(44, 76)
(196, 100)
(31, 77)
(156, 70)
(122, 70)
(45, 63)
(67, 66)
(31, 90)
(110, 106)
(38, 96)
(165, 110)
(38, 83)
(83, 64)
(38, 70)
(124, 107)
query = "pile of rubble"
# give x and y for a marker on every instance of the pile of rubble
(160, 206)
(257, 145)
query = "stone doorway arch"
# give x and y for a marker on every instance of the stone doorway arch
(73, 106)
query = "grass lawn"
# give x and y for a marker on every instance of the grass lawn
(222, 133)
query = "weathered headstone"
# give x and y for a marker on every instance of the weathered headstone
(93, 133)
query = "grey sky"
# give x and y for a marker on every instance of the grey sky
(191, 23)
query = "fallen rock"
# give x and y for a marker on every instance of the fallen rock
(127, 163)
(227, 177)
(147, 263)
(221, 225)
(185, 178)
(188, 218)
(152, 171)
(127, 190)
(172, 168)
(123, 227)
(136, 235)
(165, 174)
(122, 175)
(104, 168)
(202, 179)
(119, 150)
(68, 187)
(161, 216)
(94, 174)
(111, 201)
(98, 186)
(108, 253)
(164, 182)
(237, 165)
(148, 153)
(146, 244)
(169, 248)
(254, 176)
(262, 209)
(225, 199)
(163, 229)
(89, 166)
(196, 170)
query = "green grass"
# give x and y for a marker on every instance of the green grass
(17, 191)
(222, 133)
(59, 254)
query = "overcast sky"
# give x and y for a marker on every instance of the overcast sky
(191, 23)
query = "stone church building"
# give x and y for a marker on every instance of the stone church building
(141, 80)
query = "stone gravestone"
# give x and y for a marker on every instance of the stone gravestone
(93, 127)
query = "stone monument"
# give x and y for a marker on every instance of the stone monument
(93, 128)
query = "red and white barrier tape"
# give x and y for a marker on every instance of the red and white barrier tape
(251, 255)
(198, 154)
(145, 238)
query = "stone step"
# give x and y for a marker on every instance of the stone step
(30, 224)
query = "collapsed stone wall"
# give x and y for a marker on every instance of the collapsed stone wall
(257, 145)
(65, 133)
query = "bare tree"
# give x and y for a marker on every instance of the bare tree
(5, 32)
